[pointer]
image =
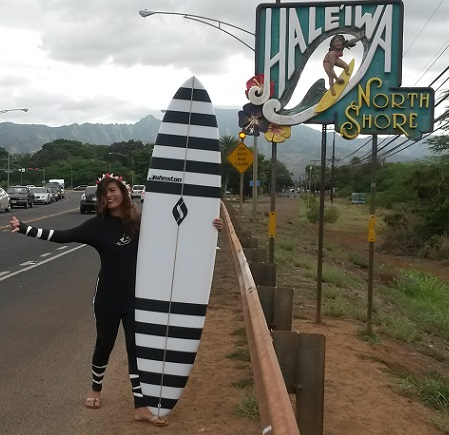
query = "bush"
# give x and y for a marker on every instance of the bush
(331, 214)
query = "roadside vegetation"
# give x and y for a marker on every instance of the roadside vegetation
(409, 305)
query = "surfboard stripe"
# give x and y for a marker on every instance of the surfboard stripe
(192, 106)
(190, 118)
(170, 331)
(147, 365)
(165, 380)
(172, 307)
(157, 403)
(175, 319)
(187, 177)
(189, 190)
(188, 166)
(199, 143)
(192, 94)
(158, 342)
(189, 130)
(188, 154)
(165, 355)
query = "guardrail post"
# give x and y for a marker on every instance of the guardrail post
(301, 357)
(263, 273)
(277, 305)
(259, 255)
(249, 242)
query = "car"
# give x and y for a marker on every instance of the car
(88, 199)
(41, 195)
(136, 190)
(142, 195)
(4, 200)
(59, 190)
(20, 195)
(80, 187)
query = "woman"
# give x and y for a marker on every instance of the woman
(114, 233)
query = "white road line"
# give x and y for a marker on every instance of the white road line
(61, 248)
(45, 255)
(40, 263)
(5, 272)
(27, 263)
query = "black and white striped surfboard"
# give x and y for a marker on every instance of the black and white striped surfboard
(177, 245)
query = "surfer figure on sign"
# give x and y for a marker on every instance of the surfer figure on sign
(333, 58)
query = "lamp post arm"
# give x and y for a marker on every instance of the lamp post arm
(12, 110)
(216, 24)
(223, 30)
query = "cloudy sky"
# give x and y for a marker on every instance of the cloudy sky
(76, 61)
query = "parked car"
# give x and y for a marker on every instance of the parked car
(88, 198)
(4, 200)
(80, 187)
(20, 195)
(41, 195)
(136, 190)
(142, 195)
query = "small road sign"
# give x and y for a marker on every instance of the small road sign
(241, 158)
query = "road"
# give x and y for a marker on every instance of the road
(46, 323)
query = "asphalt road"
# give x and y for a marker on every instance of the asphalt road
(46, 323)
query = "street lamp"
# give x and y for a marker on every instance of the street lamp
(131, 159)
(216, 24)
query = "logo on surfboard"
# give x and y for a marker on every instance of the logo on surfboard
(180, 211)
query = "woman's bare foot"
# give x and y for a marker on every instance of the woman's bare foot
(93, 400)
(143, 414)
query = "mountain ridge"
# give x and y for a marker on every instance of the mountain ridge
(302, 149)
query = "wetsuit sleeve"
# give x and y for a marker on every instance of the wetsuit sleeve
(80, 234)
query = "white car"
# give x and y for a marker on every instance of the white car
(4, 200)
(136, 191)
(41, 195)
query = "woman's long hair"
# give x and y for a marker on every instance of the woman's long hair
(129, 211)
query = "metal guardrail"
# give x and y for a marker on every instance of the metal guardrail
(276, 412)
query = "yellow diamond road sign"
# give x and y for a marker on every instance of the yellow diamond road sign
(241, 158)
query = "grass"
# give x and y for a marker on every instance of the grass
(410, 306)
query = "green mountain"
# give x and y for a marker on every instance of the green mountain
(302, 149)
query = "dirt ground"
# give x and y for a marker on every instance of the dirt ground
(360, 396)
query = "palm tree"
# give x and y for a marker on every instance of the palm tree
(227, 145)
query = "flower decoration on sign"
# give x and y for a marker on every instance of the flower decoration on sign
(252, 121)
(258, 80)
(107, 175)
(278, 133)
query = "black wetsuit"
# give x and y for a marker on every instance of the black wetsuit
(114, 294)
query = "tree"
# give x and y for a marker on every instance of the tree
(227, 145)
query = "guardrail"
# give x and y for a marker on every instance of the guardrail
(276, 412)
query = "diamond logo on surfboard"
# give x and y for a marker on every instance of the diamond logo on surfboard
(180, 211)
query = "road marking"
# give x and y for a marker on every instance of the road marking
(40, 263)
(62, 248)
(45, 255)
(27, 263)
(5, 272)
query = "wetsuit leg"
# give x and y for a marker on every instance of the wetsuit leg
(107, 323)
(129, 328)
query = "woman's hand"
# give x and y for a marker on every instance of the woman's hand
(218, 224)
(14, 223)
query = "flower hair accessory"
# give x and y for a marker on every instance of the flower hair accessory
(107, 175)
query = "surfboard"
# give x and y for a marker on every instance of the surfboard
(177, 245)
(328, 99)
